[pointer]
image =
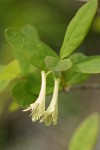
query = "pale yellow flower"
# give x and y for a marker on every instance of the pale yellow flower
(38, 107)
(51, 114)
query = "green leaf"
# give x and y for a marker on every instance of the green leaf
(11, 71)
(24, 64)
(34, 50)
(86, 135)
(33, 83)
(1, 67)
(78, 28)
(57, 65)
(26, 91)
(30, 32)
(21, 94)
(3, 84)
(72, 78)
(50, 84)
(88, 65)
(77, 57)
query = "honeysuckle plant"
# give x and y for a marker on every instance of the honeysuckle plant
(34, 59)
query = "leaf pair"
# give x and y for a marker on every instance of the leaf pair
(57, 65)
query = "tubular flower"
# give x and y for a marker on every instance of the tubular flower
(38, 107)
(51, 114)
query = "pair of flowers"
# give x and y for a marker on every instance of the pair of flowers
(37, 108)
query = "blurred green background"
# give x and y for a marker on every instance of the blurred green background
(51, 18)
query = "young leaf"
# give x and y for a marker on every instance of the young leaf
(90, 64)
(55, 64)
(34, 50)
(11, 71)
(86, 135)
(78, 28)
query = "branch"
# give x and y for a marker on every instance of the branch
(94, 86)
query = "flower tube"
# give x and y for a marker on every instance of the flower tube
(38, 107)
(51, 114)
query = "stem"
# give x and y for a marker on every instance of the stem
(94, 86)
(48, 73)
(55, 92)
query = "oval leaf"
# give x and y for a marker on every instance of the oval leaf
(34, 50)
(78, 28)
(88, 65)
(30, 32)
(54, 64)
(86, 135)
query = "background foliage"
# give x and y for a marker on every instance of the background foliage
(50, 18)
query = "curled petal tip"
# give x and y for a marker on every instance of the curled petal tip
(27, 109)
